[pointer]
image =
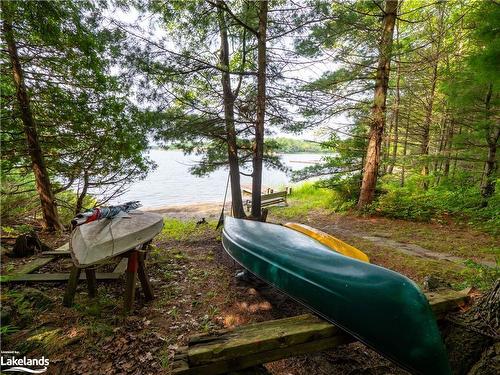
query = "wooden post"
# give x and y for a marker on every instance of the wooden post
(143, 277)
(265, 212)
(91, 282)
(69, 294)
(130, 276)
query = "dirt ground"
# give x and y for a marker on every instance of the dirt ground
(196, 292)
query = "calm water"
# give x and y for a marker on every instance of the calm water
(172, 184)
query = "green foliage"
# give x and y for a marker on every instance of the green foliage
(461, 202)
(20, 200)
(479, 276)
(290, 145)
(7, 329)
(304, 198)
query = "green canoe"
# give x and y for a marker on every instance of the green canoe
(381, 308)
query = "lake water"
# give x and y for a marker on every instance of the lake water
(172, 184)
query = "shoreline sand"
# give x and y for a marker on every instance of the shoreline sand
(207, 210)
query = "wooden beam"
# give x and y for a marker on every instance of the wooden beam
(31, 266)
(258, 343)
(69, 293)
(54, 277)
(121, 266)
(269, 335)
(130, 277)
(444, 301)
(64, 247)
(60, 251)
(56, 253)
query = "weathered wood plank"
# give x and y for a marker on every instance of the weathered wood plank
(269, 335)
(264, 342)
(121, 266)
(64, 247)
(232, 364)
(31, 266)
(56, 253)
(279, 194)
(69, 293)
(51, 277)
(444, 301)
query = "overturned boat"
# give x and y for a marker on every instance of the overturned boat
(96, 241)
(381, 308)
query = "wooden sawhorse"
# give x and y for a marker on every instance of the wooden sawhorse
(135, 268)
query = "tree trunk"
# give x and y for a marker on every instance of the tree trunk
(386, 160)
(258, 147)
(372, 160)
(396, 109)
(83, 194)
(424, 147)
(405, 147)
(228, 97)
(438, 162)
(42, 180)
(488, 183)
(448, 144)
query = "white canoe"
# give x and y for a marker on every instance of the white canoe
(99, 240)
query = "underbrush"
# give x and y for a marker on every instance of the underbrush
(461, 203)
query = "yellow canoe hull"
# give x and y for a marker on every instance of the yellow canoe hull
(328, 240)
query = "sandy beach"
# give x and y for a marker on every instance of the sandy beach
(191, 211)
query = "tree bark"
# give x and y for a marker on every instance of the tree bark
(405, 148)
(424, 147)
(372, 160)
(396, 109)
(438, 162)
(228, 98)
(83, 194)
(448, 144)
(493, 134)
(258, 147)
(392, 161)
(42, 180)
(388, 143)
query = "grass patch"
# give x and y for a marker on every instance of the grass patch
(186, 230)
(305, 198)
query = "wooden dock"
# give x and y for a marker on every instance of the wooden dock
(255, 344)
